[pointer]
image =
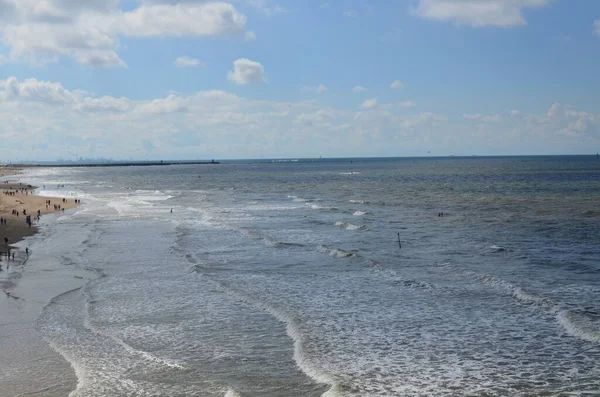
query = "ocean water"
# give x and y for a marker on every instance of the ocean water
(287, 279)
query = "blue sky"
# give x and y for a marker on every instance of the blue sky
(274, 78)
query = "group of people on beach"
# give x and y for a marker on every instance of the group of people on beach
(15, 192)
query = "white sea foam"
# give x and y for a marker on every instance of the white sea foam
(336, 252)
(292, 330)
(359, 213)
(320, 207)
(232, 393)
(299, 199)
(579, 325)
(349, 226)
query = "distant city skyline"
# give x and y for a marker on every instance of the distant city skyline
(244, 79)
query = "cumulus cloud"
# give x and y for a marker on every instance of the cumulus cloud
(104, 104)
(481, 117)
(478, 13)
(358, 88)
(267, 7)
(396, 85)
(219, 124)
(36, 91)
(187, 62)
(89, 31)
(170, 104)
(183, 20)
(319, 89)
(320, 116)
(407, 104)
(369, 103)
(246, 71)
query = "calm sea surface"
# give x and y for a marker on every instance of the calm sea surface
(286, 278)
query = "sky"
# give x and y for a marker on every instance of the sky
(203, 79)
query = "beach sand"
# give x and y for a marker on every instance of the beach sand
(28, 365)
(16, 228)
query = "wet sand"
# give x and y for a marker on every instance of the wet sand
(28, 365)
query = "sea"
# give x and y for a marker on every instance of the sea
(475, 276)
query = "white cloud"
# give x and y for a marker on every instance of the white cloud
(99, 59)
(267, 8)
(321, 116)
(407, 104)
(515, 112)
(187, 62)
(104, 104)
(183, 20)
(3, 59)
(170, 104)
(246, 71)
(89, 31)
(36, 91)
(219, 124)
(369, 103)
(478, 13)
(250, 35)
(351, 13)
(481, 117)
(358, 88)
(319, 89)
(597, 27)
(396, 85)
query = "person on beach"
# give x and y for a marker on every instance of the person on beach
(27, 251)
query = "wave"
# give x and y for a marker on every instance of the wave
(299, 199)
(281, 244)
(87, 324)
(582, 324)
(293, 331)
(367, 202)
(591, 213)
(232, 393)
(359, 213)
(397, 279)
(321, 207)
(514, 290)
(349, 226)
(497, 248)
(336, 252)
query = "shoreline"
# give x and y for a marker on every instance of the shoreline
(19, 200)
(29, 365)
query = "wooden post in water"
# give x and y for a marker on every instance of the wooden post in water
(399, 244)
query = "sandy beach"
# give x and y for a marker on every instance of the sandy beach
(21, 197)
(28, 365)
